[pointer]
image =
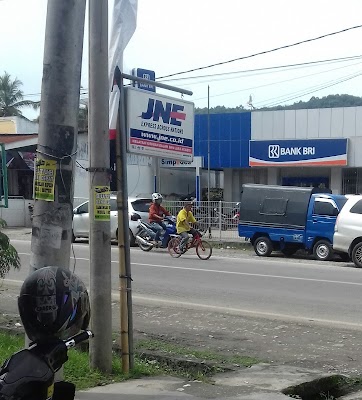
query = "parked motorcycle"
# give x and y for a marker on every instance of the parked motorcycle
(29, 373)
(146, 234)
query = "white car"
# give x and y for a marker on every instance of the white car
(347, 238)
(136, 205)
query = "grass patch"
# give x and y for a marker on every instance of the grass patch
(77, 370)
(177, 350)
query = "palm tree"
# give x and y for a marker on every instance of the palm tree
(11, 97)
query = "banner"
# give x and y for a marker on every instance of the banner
(45, 179)
(123, 26)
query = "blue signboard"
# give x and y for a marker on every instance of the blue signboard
(313, 152)
(145, 74)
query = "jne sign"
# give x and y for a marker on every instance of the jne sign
(159, 125)
(298, 152)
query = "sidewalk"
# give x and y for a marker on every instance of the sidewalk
(260, 382)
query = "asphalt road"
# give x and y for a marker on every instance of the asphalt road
(235, 283)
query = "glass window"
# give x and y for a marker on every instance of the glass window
(113, 204)
(141, 205)
(83, 208)
(325, 208)
(274, 206)
(357, 208)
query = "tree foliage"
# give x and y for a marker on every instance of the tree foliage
(11, 97)
(8, 255)
(330, 101)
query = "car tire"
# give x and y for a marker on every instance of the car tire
(263, 246)
(322, 250)
(357, 255)
(73, 237)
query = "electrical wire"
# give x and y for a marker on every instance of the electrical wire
(309, 91)
(271, 69)
(276, 83)
(263, 52)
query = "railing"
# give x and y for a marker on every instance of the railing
(218, 218)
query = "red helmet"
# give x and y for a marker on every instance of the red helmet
(53, 303)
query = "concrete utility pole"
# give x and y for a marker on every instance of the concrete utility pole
(58, 129)
(99, 179)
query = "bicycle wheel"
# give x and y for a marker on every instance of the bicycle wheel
(173, 247)
(203, 250)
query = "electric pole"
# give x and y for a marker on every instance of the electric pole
(99, 190)
(58, 129)
(57, 139)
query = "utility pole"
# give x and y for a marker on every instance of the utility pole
(58, 129)
(208, 143)
(57, 139)
(99, 190)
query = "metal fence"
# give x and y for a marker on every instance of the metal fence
(219, 219)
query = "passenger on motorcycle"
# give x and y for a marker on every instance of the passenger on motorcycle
(156, 214)
(184, 219)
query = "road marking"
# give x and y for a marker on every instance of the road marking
(226, 310)
(230, 272)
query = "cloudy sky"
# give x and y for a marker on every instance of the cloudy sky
(176, 36)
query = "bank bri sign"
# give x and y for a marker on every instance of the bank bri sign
(318, 152)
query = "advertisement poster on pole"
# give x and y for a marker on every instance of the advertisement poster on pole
(102, 208)
(45, 179)
(160, 126)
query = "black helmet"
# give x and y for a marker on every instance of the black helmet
(53, 303)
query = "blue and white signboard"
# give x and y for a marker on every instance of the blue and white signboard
(145, 74)
(159, 125)
(285, 153)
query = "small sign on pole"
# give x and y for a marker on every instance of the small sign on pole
(145, 74)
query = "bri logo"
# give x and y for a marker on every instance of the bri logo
(274, 150)
(170, 113)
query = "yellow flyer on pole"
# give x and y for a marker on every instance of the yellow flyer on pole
(102, 208)
(45, 179)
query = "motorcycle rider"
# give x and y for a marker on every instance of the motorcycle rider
(156, 214)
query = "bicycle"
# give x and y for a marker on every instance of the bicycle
(203, 247)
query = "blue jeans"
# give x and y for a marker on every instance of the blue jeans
(158, 227)
(185, 237)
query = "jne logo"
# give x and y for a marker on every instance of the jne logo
(170, 113)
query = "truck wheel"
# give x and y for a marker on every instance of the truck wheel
(263, 247)
(357, 255)
(322, 250)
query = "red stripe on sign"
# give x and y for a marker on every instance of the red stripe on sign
(177, 115)
(112, 134)
(158, 145)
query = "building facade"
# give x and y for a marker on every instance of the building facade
(310, 147)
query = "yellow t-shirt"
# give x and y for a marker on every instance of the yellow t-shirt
(183, 220)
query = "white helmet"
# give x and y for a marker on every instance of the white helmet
(157, 196)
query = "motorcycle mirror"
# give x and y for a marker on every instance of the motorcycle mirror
(135, 217)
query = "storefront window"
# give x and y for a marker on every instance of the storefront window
(352, 181)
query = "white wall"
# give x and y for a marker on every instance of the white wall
(139, 172)
(25, 126)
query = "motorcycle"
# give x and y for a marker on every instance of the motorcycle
(29, 373)
(146, 234)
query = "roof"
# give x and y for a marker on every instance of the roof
(17, 141)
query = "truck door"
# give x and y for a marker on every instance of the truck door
(321, 220)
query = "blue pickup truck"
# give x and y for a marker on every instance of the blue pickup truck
(288, 218)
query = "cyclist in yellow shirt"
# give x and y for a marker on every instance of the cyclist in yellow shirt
(184, 219)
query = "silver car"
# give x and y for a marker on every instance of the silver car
(136, 205)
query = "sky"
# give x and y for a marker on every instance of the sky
(176, 36)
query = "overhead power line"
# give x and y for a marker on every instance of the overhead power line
(271, 69)
(263, 52)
